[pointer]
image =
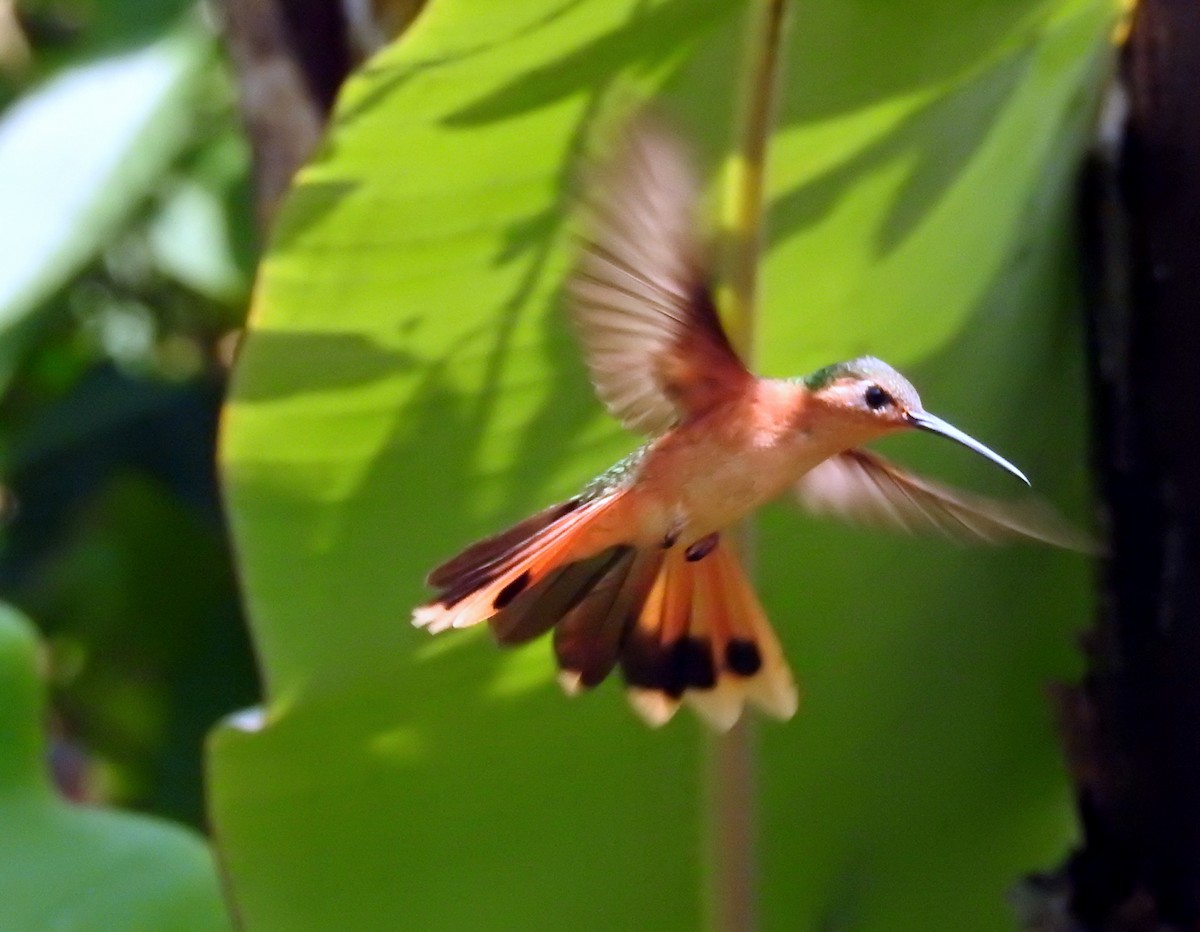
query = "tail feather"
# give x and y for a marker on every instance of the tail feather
(663, 620)
(538, 609)
(490, 575)
(682, 628)
(480, 555)
(665, 654)
(492, 564)
(588, 641)
(706, 641)
(717, 612)
(753, 652)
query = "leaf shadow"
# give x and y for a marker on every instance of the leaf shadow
(291, 363)
(944, 135)
(388, 78)
(307, 204)
(646, 40)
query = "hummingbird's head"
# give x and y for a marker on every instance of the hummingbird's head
(866, 392)
(868, 398)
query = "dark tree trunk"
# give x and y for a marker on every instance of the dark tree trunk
(291, 56)
(1133, 726)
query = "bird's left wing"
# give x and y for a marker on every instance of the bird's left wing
(640, 293)
(864, 487)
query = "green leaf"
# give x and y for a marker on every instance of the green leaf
(64, 866)
(77, 157)
(409, 384)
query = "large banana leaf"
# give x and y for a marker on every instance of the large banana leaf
(408, 383)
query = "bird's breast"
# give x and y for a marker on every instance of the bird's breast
(704, 478)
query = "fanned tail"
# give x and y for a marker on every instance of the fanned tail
(684, 625)
(701, 637)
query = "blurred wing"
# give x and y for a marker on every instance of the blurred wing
(640, 294)
(863, 487)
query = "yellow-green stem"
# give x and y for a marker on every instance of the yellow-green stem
(745, 170)
(731, 835)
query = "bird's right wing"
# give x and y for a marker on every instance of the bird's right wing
(866, 488)
(640, 293)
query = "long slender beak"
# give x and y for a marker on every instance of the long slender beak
(935, 425)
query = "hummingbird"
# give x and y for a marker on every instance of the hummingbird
(638, 570)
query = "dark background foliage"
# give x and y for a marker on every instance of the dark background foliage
(115, 540)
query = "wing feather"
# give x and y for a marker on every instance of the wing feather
(863, 487)
(640, 295)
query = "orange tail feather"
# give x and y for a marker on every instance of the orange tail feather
(491, 574)
(684, 625)
(705, 640)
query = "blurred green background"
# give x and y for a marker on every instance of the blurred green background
(408, 383)
(128, 258)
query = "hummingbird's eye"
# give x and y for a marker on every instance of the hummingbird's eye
(876, 397)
